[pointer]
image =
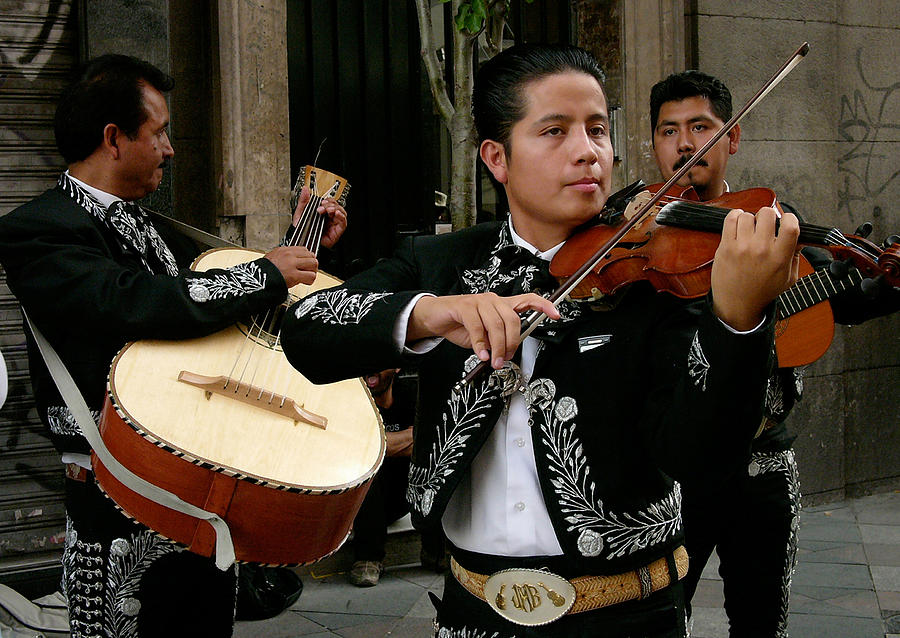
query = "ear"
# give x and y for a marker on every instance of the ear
(734, 139)
(494, 157)
(111, 135)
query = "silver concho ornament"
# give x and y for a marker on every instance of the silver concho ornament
(120, 547)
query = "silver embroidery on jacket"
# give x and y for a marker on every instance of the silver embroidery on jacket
(598, 529)
(489, 278)
(698, 366)
(123, 223)
(466, 409)
(784, 462)
(62, 421)
(243, 279)
(338, 307)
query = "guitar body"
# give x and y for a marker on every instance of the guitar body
(803, 337)
(288, 489)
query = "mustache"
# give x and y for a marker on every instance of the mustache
(684, 159)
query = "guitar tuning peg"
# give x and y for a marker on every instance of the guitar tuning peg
(864, 230)
(890, 241)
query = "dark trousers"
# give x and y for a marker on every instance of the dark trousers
(385, 502)
(122, 579)
(460, 614)
(752, 523)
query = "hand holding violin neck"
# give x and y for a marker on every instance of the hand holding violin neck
(753, 265)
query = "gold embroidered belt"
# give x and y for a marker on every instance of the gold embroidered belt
(538, 597)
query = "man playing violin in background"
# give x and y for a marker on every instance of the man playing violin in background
(562, 457)
(752, 519)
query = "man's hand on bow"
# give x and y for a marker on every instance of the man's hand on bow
(488, 324)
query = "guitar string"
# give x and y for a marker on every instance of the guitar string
(307, 221)
(284, 377)
(311, 205)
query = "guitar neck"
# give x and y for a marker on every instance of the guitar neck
(813, 289)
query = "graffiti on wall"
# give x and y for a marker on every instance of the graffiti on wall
(35, 56)
(869, 118)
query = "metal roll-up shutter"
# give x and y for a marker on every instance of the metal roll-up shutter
(38, 51)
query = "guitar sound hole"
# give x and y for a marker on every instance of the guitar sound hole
(265, 328)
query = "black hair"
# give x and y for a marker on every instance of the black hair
(680, 86)
(109, 90)
(498, 101)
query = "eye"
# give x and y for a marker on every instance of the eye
(699, 127)
(554, 131)
(598, 130)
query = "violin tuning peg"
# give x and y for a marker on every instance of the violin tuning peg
(890, 241)
(864, 230)
(871, 287)
(838, 268)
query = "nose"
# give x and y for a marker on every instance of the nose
(685, 141)
(167, 149)
(584, 148)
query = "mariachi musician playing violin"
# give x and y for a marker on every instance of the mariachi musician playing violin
(752, 518)
(560, 458)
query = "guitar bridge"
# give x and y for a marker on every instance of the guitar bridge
(253, 395)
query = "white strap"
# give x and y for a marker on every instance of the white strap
(77, 405)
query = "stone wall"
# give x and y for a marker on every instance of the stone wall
(826, 140)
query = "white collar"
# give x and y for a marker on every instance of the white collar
(547, 255)
(106, 199)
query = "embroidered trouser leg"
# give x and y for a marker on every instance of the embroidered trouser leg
(755, 522)
(123, 580)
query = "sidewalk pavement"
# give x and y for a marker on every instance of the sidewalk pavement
(847, 585)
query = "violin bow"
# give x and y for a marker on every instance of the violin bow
(534, 318)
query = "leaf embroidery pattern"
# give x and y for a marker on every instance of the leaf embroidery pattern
(242, 279)
(339, 307)
(764, 463)
(485, 279)
(599, 530)
(698, 366)
(62, 421)
(128, 560)
(466, 410)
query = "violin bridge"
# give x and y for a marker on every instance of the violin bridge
(252, 395)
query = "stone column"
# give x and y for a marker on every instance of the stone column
(653, 47)
(252, 135)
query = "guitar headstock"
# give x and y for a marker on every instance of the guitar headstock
(322, 184)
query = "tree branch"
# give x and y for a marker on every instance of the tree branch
(432, 66)
(498, 11)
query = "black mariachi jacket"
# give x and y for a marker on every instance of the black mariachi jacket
(669, 392)
(89, 293)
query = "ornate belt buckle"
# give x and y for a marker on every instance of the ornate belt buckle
(529, 596)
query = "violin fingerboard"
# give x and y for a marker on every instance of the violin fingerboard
(322, 184)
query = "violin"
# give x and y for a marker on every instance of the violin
(673, 247)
